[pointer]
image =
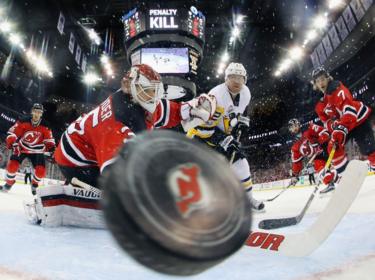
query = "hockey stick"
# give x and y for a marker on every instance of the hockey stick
(234, 152)
(291, 184)
(75, 181)
(291, 221)
(304, 243)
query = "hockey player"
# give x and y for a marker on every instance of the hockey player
(90, 144)
(344, 117)
(28, 138)
(308, 143)
(233, 98)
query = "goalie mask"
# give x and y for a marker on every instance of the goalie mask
(146, 87)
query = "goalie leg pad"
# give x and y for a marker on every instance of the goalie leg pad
(61, 205)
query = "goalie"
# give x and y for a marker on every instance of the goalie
(90, 144)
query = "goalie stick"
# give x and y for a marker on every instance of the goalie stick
(291, 221)
(304, 243)
(291, 184)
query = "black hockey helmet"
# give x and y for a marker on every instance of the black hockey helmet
(37, 106)
(318, 72)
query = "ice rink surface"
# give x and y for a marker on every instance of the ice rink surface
(33, 252)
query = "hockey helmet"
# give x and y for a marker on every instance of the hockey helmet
(235, 69)
(37, 106)
(292, 124)
(146, 86)
(319, 71)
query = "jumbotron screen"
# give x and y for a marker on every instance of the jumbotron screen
(166, 60)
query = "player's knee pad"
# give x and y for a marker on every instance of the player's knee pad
(61, 205)
(11, 173)
(12, 166)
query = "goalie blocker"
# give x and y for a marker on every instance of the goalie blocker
(173, 205)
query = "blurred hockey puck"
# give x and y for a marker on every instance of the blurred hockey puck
(174, 205)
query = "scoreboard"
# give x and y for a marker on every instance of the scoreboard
(133, 24)
(196, 23)
(189, 21)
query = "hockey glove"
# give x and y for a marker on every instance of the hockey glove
(243, 123)
(230, 145)
(338, 137)
(16, 151)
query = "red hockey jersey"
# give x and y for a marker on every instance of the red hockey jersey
(31, 139)
(95, 138)
(340, 108)
(307, 145)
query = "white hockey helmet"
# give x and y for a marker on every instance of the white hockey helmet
(235, 68)
(146, 87)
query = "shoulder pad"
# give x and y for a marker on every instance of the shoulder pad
(128, 113)
(332, 86)
(25, 119)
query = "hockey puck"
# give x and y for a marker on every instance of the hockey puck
(174, 205)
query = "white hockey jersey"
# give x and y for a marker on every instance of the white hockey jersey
(236, 105)
(226, 105)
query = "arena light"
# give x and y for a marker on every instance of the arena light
(5, 26)
(311, 35)
(225, 57)
(222, 65)
(15, 39)
(296, 53)
(236, 32)
(320, 22)
(91, 78)
(277, 73)
(285, 64)
(333, 4)
(41, 65)
(94, 36)
(109, 72)
(104, 59)
(240, 19)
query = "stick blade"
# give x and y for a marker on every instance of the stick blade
(277, 223)
(303, 244)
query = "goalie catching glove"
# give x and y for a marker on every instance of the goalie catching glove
(198, 111)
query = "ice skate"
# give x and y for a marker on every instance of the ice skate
(5, 188)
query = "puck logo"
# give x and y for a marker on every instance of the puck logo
(189, 190)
